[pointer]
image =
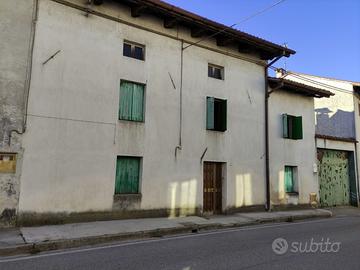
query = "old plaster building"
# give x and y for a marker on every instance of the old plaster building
(139, 108)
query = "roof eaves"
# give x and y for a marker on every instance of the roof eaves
(275, 49)
(300, 88)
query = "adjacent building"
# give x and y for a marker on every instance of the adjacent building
(17, 20)
(337, 124)
(293, 165)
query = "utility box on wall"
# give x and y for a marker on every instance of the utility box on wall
(7, 162)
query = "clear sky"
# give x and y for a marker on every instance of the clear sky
(324, 33)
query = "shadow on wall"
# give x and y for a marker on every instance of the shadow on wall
(339, 124)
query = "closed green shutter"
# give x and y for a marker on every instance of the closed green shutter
(131, 101)
(138, 103)
(222, 111)
(297, 131)
(127, 175)
(285, 126)
(210, 110)
(126, 94)
(289, 179)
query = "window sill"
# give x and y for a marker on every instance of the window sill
(127, 196)
(131, 121)
(214, 130)
(294, 193)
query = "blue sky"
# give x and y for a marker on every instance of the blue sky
(324, 33)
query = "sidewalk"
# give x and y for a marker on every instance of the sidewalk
(43, 238)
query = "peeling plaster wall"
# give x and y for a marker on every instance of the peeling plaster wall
(74, 136)
(15, 32)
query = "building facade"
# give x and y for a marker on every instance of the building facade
(128, 116)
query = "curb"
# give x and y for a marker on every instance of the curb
(93, 240)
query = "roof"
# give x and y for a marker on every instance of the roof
(299, 88)
(201, 27)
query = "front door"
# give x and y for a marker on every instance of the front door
(212, 188)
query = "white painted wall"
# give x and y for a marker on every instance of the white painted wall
(74, 136)
(287, 152)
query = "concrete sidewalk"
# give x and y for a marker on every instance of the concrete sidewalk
(36, 239)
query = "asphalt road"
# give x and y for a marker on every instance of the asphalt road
(337, 241)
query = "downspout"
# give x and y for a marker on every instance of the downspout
(179, 146)
(28, 71)
(357, 175)
(267, 156)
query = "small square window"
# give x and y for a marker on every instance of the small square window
(133, 50)
(290, 179)
(127, 175)
(216, 110)
(216, 72)
(292, 127)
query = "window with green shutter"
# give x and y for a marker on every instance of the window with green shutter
(290, 179)
(292, 127)
(131, 106)
(127, 175)
(216, 114)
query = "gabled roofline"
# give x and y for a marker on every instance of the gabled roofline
(298, 88)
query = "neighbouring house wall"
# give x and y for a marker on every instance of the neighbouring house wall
(74, 136)
(15, 35)
(334, 116)
(287, 152)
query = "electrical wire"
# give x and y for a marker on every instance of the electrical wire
(231, 26)
(321, 84)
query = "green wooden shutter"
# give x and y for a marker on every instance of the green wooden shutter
(137, 112)
(223, 115)
(210, 110)
(297, 131)
(126, 95)
(289, 179)
(285, 126)
(127, 175)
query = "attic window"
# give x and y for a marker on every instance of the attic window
(216, 72)
(134, 50)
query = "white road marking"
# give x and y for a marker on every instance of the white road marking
(31, 257)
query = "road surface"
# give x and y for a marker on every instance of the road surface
(315, 244)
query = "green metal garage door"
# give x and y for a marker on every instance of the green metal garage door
(336, 178)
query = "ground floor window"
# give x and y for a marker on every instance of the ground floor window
(127, 175)
(290, 179)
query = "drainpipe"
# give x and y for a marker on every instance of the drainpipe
(267, 158)
(28, 71)
(179, 146)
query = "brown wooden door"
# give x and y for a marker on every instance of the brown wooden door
(212, 188)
